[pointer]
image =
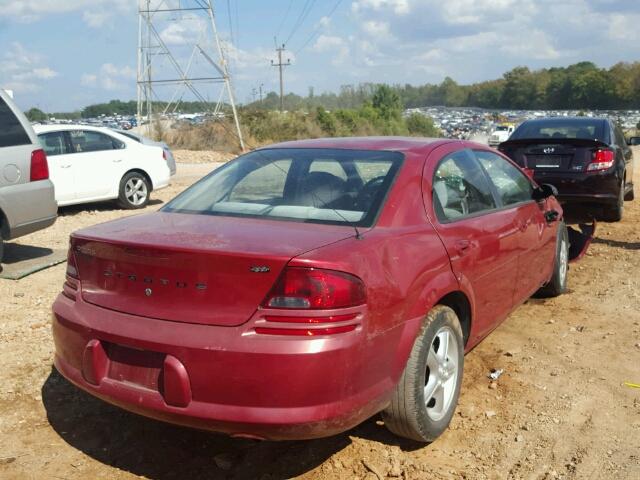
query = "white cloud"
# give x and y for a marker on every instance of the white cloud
(337, 46)
(110, 77)
(22, 70)
(96, 13)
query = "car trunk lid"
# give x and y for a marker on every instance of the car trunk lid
(552, 154)
(190, 268)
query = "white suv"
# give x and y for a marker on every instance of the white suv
(27, 201)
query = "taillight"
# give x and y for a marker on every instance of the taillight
(602, 160)
(315, 289)
(39, 166)
(72, 267)
(70, 287)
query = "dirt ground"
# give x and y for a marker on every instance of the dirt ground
(560, 410)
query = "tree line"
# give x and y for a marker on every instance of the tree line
(580, 86)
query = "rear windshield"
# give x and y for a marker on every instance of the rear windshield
(582, 129)
(305, 185)
(11, 131)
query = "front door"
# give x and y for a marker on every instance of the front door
(481, 239)
(537, 237)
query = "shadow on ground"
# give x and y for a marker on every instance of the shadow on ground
(161, 451)
(618, 244)
(16, 253)
(98, 207)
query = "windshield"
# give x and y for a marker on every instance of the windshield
(557, 129)
(306, 185)
(502, 129)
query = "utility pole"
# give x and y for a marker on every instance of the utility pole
(254, 92)
(280, 65)
(260, 88)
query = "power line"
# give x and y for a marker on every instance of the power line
(318, 31)
(284, 18)
(306, 9)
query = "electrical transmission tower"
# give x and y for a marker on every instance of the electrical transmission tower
(179, 50)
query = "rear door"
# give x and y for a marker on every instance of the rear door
(536, 238)
(60, 161)
(481, 239)
(98, 161)
(15, 148)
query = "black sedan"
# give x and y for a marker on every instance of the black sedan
(586, 159)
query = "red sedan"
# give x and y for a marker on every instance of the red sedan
(304, 287)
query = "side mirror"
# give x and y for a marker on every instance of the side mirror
(544, 191)
(633, 141)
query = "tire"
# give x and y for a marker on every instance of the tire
(616, 212)
(1, 252)
(558, 283)
(631, 195)
(410, 414)
(134, 191)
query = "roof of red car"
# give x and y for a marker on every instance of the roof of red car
(400, 144)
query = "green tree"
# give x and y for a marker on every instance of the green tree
(387, 102)
(36, 115)
(421, 125)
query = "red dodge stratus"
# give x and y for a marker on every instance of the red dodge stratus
(304, 287)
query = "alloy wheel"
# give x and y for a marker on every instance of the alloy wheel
(442, 374)
(136, 191)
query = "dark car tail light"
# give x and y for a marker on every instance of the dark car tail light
(39, 166)
(315, 289)
(602, 160)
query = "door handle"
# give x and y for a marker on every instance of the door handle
(65, 166)
(463, 246)
(117, 161)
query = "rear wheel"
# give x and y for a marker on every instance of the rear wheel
(1, 250)
(134, 191)
(558, 283)
(631, 195)
(427, 394)
(615, 213)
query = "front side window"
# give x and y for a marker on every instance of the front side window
(460, 188)
(11, 131)
(84, 141)
(306, 185)
(53, 143)
(512, 185)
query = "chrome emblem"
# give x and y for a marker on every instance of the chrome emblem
(549, 150)
(260, 269)
(148, 292)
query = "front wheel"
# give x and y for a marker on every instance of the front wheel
(427, 394)
(134, 191)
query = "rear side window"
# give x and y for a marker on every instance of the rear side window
(84, 141)
(511, 184)
(460, 188)
(11, 131)
(53, 143)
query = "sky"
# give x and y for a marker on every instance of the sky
(61, 55)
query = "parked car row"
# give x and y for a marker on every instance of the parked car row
(304, 287)
(59, 165)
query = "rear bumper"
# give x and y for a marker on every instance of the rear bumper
(581, 188)
(226, 379)
(29, 207)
